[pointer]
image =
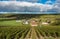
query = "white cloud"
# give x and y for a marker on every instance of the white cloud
(33, 1)
(58, 1)
(49, 2)
(57, 5)
(11, 0)
(16, 6)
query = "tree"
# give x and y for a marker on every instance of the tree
(57, 22)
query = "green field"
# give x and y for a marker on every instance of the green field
(10, 29)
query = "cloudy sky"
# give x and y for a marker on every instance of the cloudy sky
(30, 6)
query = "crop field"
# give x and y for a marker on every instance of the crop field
(11, 29)
(28, 32)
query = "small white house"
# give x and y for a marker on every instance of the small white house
(25, 22)
(18, 20)
(45, 23)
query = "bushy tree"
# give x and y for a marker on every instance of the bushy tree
(57, 22)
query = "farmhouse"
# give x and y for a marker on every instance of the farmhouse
(34, 22)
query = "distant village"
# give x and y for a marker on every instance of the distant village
(34, 22)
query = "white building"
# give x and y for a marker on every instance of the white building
(18, 21)
(45, 23)
(25, 22)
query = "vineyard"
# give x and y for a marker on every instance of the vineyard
(10, 29)
(29, 32)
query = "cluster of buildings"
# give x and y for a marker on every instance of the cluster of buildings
(33, 22)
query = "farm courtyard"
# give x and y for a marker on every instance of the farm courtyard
(29, 26)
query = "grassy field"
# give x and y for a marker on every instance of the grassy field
(10, 23)
(10, 29)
